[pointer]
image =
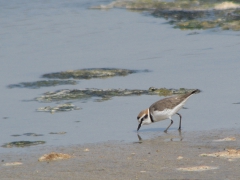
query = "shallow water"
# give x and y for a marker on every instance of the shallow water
(39, 37)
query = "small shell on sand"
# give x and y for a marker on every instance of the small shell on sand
(197, 168)
(54, 156)
(12, 164)
(179, 157)
(226, 139)
(229, 153)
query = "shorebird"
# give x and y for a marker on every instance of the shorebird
(164, 109)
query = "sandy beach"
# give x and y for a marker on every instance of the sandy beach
(171, 156)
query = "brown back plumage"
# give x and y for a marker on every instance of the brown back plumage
(170, 102)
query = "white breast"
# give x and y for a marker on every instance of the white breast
(161, 115)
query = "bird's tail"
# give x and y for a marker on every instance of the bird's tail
(195, 91)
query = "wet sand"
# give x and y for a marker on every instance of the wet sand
(157, 158)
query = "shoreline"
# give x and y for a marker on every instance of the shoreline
(161, 157)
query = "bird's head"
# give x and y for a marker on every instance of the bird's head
(143, 118)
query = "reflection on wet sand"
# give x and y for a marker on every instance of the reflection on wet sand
(169, 137)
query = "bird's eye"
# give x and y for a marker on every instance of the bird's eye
(146, 116)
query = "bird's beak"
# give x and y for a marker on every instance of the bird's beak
(139, 126)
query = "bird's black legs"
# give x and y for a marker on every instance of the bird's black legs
(169, 126)
(179, 121)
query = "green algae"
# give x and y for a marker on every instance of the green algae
(169, 92)
(32, 134)
(91, 73)
(43, 83)
(183, 5)
(27, 134)
(237, 103)
(206, 15)
(161, 91)
(16, 135)
(137, 5)
(58, 132)
(234, 25)
(87, 93)
(188, 14)
(59, 108)
(166, 5)
(105, 94)
(197, 25)
(22, 144)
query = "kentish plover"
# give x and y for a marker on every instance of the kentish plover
(164, 109)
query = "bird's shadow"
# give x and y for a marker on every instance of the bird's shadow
(154, 130)
(168, 136)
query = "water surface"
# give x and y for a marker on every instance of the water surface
(39, 37)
